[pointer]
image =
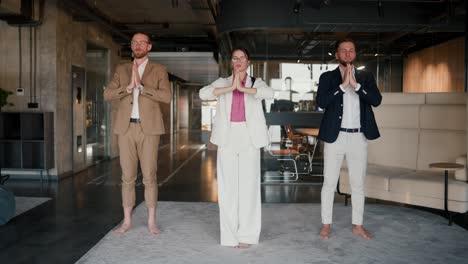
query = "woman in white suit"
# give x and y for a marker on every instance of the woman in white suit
(240, 131)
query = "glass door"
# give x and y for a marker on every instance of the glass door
(97, 143)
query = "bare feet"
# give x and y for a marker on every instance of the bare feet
(325, 232)
(359, 230)
(123, 228)
(242, 245)
(153, 229)
(127, 221)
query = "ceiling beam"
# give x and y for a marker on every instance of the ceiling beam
(81, 8)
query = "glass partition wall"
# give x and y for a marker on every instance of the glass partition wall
(97, 131)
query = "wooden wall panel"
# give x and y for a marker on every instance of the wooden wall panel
(435, 69)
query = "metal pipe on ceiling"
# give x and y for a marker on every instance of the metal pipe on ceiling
(20, 77)
(31, 89)
(466, 49)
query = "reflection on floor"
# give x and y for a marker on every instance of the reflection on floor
(86, 206)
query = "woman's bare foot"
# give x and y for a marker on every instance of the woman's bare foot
(242, 245)
(325, 232)
(359, 230)
(123, 228)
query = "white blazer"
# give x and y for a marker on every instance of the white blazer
(255, 118)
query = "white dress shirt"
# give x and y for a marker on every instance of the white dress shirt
(351, 110)
(136, 92)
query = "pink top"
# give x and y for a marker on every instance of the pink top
(238, 105)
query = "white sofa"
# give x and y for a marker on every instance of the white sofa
(416, 130)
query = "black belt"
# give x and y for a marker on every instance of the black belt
(135, 120)
(350, 130)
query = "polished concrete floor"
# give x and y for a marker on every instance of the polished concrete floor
(88, 205)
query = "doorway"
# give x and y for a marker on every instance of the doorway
(97, 114)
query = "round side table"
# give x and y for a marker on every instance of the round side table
(446, 167)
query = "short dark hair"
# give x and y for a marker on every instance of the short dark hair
(142, 33)
(244, 50)
(338, 43)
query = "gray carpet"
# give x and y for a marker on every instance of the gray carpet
(24, 204)
(190, 234)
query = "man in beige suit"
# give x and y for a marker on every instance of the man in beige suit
(140, 86)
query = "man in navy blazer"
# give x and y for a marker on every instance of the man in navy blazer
(347, 97)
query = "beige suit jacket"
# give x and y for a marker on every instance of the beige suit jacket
(156, 90)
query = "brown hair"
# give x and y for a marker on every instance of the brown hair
(241, 49)
(142, 33)
(338, 43)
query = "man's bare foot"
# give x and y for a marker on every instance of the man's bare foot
(359, 230)
(127, 221)
(325, 232)
(123, 228)
(242, 245)
(153, 229)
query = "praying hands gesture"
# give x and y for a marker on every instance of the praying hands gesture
(237, 84)
(348, 78)
(135, 81)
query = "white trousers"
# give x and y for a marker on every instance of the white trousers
(238, 172)
(353, 146)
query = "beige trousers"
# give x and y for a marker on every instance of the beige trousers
(136, 146)
(353, 146)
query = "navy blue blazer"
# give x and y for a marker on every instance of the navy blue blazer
(330, 98)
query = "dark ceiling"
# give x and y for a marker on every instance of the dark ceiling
(278, 29)
(308, 29)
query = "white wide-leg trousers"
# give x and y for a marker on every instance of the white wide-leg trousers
(238, 173)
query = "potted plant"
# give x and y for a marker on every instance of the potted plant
(4, 98)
